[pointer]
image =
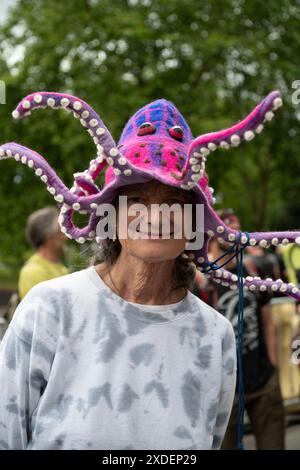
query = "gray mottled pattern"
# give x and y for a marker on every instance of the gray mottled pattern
(96, 393)
(211, 415)
(182, 433)
(3, 445)
(183, 334)
(227, 342)
(161, 391)
(66, 308)
(221, 419)
(127, 397)
(134, 326)
(62, 408)
(217, 441)
(190, 391)
(212, 411)
(26, 335)
(41, 349)
(229, 366)
(10, 353)
(159, 373)
(16, 347)
(14, 408)
(204, 356)
(143, 353)
(200, 325)
(59, 441)
(94, 397)
(108, 336)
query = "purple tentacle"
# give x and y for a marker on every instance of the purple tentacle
(42, 169)
(265, 239)
(215, 227)
(200, 257)
(55, 186)
(231, 137)
(80, 109)
(76, 198)
(244, 130)
(107, 153)
(71, 231)
(194, 170)
(106, 147)
(254, 284)
(84, 184)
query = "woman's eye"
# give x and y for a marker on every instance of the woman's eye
(146, 129)
(176, 132)
(175, 201)
(134, 200)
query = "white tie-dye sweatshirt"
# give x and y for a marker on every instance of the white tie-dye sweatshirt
(81, 368)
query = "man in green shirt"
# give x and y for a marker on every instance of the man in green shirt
(44, 235)
(291, 257)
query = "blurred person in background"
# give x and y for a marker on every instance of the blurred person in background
(257, 260)
(263, 400)
(278, 252)
(265, 264)
(49, 244)
(262, 263)
(291, 257)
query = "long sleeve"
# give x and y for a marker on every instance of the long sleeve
(229, 369)
(25, 361)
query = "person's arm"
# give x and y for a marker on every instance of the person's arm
(226, 398)
(270, 334)
(26, 355)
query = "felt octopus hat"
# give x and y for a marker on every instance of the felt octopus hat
(155, 143)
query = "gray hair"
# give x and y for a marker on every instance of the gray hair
(40, 225)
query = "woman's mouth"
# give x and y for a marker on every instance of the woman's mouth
(154, 234)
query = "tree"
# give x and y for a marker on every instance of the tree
(214, 60)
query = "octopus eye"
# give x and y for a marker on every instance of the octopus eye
(146, 129)
(176, 132)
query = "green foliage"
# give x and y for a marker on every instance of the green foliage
(214, 59)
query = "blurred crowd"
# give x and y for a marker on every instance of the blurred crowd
(263, 397)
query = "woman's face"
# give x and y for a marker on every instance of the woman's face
(151, 234)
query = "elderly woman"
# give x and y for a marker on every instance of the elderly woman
(120, 355)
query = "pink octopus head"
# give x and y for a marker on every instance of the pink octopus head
(157, 140)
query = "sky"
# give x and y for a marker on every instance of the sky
(4, 5)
